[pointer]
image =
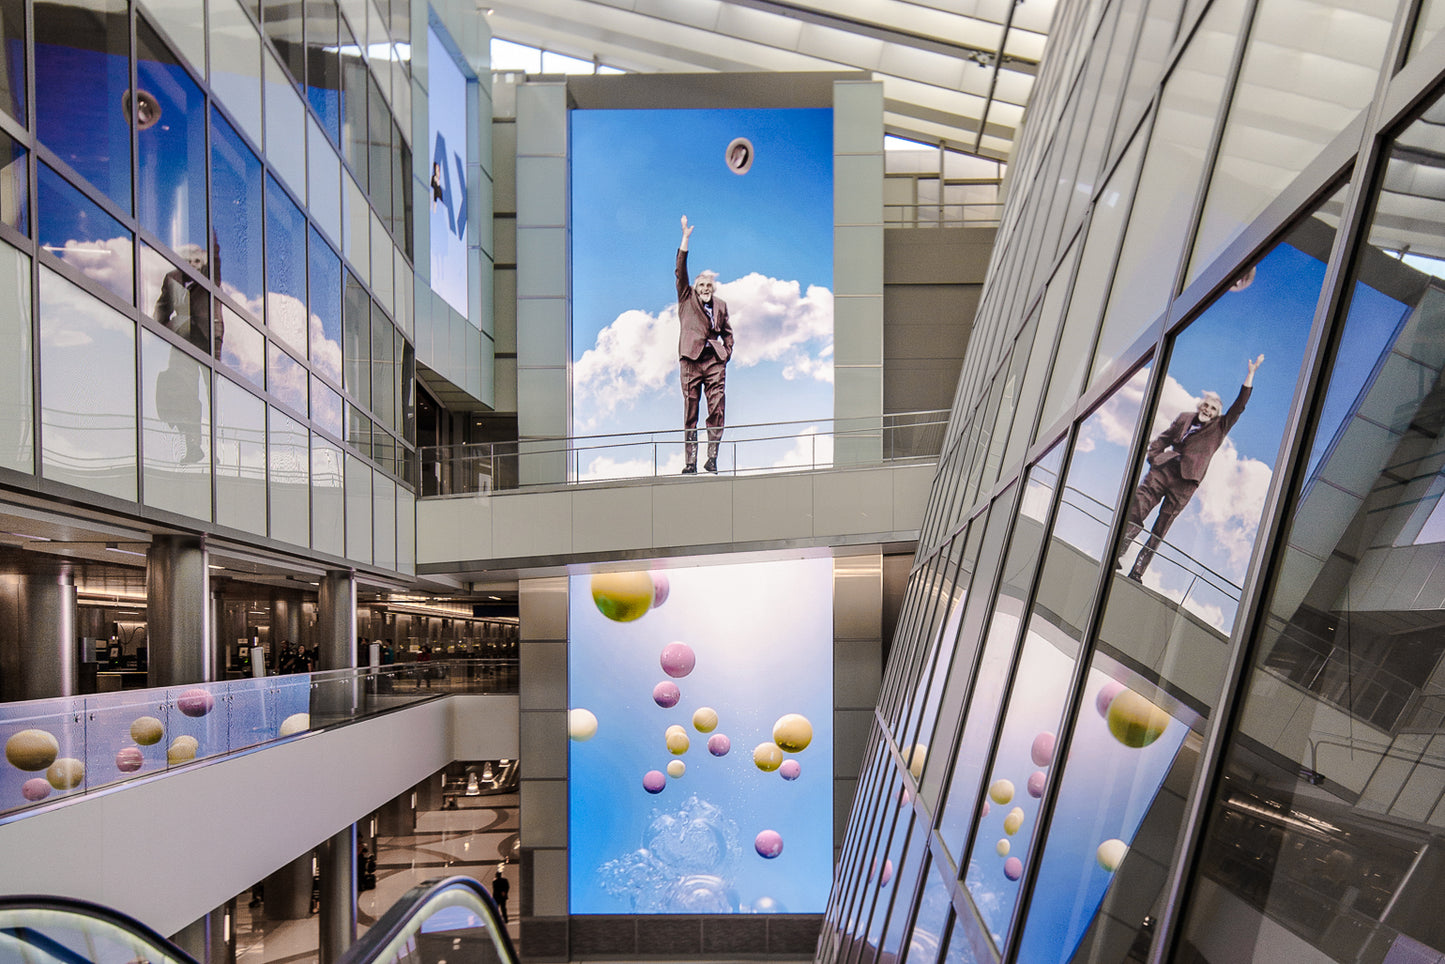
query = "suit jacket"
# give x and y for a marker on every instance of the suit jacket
(1193, 453)
(694, 329)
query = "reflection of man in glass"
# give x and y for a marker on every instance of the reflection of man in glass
(1178, 458)
(184, 305)
(704, 345)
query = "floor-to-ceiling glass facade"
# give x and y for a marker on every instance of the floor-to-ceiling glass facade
(1168, 680)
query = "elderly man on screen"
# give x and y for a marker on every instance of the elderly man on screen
(704, 345)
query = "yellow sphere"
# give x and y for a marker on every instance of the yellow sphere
(1111, 854)
(677, 741)
(66, 773)
(916, 757)
(1013, 821)
(623, 596)
(32, 749)
(676, 768)
(581, 725)
(768, 756)
(1001, 792)
(793, 732)
(295, 723)
(705, 719)
(1002, 847)
(1135, 721)
(147, 731)
(182, 750)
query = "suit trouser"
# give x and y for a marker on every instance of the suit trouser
(707, 375)
(1165, 485)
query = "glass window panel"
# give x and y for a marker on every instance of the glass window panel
(82, 84)
(12, 58)
(328, 497)
(236, 65)
(358, 430)
(383, 373)
(356, 228)
(354, 81)
(176, 298)
(381, 264)
(237, 200)
(405, 531)
(882, 883)
(286, 378)
(1427, 24)
(1297, 89)
(285, 267)
(171, 146)
(358, 509)
(326, 410)
(930, 925)
(290, 479)
(324, 171)
(906, 876)
(1156, 36)
(87, 390)
(1144, 280)
(1327, 816)
(17, 400)
(80, 233)
(1090, 286)
(998, 648)
(400, 224)
(379, 147)
(178, 18)
(325, 323)
(282, 20)
(406, 389)
(242, 346)
(175, 428)
(285, 128)
(240, 458)
(384, 520)
(355, 12)
(323, 65)
(356, 344)
(14, 185)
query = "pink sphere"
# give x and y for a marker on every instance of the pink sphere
(196, 702)
(1042, 752)
(887, 874)
(661, 587)
(790, 770)
(1036, 784)
(128, 759)
(1013, 868)
(666, 694)
(653, 781)
(1106, 696)
(718, 744)
(677, 660)
(36, 789)
(768, 844)
(986, 808)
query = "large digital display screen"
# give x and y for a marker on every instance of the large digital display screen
(756, 189)
(701, 754)
(447, 167)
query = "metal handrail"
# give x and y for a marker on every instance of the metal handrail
(393, 938)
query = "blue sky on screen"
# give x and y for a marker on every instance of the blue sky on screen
(768, 234)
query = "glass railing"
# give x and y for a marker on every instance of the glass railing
(979, 214)
(62, 930)
(745, 450)
(60, 748)
(446, 919)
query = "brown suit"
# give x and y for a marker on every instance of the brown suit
(703, 348)
(1178, 460)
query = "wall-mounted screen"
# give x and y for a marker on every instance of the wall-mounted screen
(701, 762)
(447, 171)
(652, 350)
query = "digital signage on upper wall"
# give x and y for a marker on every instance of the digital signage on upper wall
(755, 188)
(700, 770)
(447, 167)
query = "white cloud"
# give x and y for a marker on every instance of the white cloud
(773, 321)
(810, 450)
(604, 467)
(1115, 420)
(107, 262)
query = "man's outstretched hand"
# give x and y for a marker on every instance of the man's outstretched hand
(1253, 367)
(686, 232)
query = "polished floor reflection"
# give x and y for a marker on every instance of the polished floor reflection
(472, 840)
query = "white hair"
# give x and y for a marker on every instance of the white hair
(1212, 397)
(706, 276)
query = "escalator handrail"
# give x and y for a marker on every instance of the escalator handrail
(108, 915)
(399, 920)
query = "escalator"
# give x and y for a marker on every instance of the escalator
(452, 920)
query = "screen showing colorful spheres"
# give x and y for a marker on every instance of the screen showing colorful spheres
(701, 739)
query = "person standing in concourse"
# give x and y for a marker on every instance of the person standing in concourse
(704, 345)
(1178, 458)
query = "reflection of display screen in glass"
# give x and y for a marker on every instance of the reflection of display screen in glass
(701, 727)
(446, 157)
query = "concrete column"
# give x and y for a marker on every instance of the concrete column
(288, 890)
(46, 661)
(429, 792)
(336, 620)
(285, 620)
(211, 939)
(397, 817)
(178, 612)
(338, 894)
